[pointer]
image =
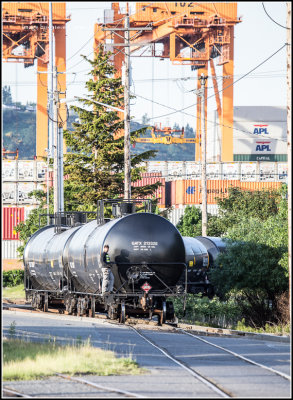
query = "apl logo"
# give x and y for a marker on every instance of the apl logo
(190, 190)
(259, 129)
(263, 146)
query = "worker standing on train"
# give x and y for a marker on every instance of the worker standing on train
(108, 277)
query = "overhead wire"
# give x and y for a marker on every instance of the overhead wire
(107, 35)
(285, 27)
(226, 87)
(175, 80)
(150, 23)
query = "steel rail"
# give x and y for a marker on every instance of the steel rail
(237, 355)
(14, 393)
(98, 386)
(196, 375)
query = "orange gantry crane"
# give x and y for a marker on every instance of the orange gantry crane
(25, 37)
(192, 33)
(166, 136)
(9, 155)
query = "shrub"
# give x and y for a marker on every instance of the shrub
(12, 278)
(208, 311)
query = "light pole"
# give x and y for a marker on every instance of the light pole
(127, 162)
(204, 214)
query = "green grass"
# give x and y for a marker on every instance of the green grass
(27, 360)
(13, 293)
(269, 328)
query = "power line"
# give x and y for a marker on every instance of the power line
(175, 79)
(150, 23)
(107, 35)
(194, 104)
(285, 27)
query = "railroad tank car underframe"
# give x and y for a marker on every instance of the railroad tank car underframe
(62, 267)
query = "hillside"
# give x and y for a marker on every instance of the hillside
(19, 131)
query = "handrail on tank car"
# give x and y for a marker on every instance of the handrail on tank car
(117, 202)
(66, 218)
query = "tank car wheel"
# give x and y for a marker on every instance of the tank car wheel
(164, 312)
(34, 301)
(92, 309)
(112, 312)
(122, 316)
(68, 305)
(46, 303)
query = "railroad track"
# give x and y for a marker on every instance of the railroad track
(215, 387)
(205, 380)
(123, 393)
(207, 331)
(100, 390)
(7, 392)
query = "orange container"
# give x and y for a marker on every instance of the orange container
(188, 191)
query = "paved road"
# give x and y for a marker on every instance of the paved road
(164, 377)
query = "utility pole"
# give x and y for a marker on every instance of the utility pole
(50, 102)
(289, 30)
(126, 76)
(60, 168)
(127, 161)
(55, 141)
(204, 213)
(50, 80)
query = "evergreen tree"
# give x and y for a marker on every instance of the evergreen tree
(95, 162)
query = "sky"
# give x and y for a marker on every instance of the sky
(155, 81)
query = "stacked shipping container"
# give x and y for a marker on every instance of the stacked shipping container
(11, 217)
(187, 191)
(180, 187)
(150, 179)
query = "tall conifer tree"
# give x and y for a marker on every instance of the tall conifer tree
(95, 161)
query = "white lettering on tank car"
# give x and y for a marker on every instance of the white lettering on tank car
(144, 246)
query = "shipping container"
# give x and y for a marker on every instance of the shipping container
(9, 170)
(150, 179)
(26, 171)
(9, 193)
(175, 213)
(188, 191)
(245, 171)
(11, 217)
(9, 249)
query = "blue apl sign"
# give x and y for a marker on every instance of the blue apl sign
(190, 190)
(263, 146)
(259, 129)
